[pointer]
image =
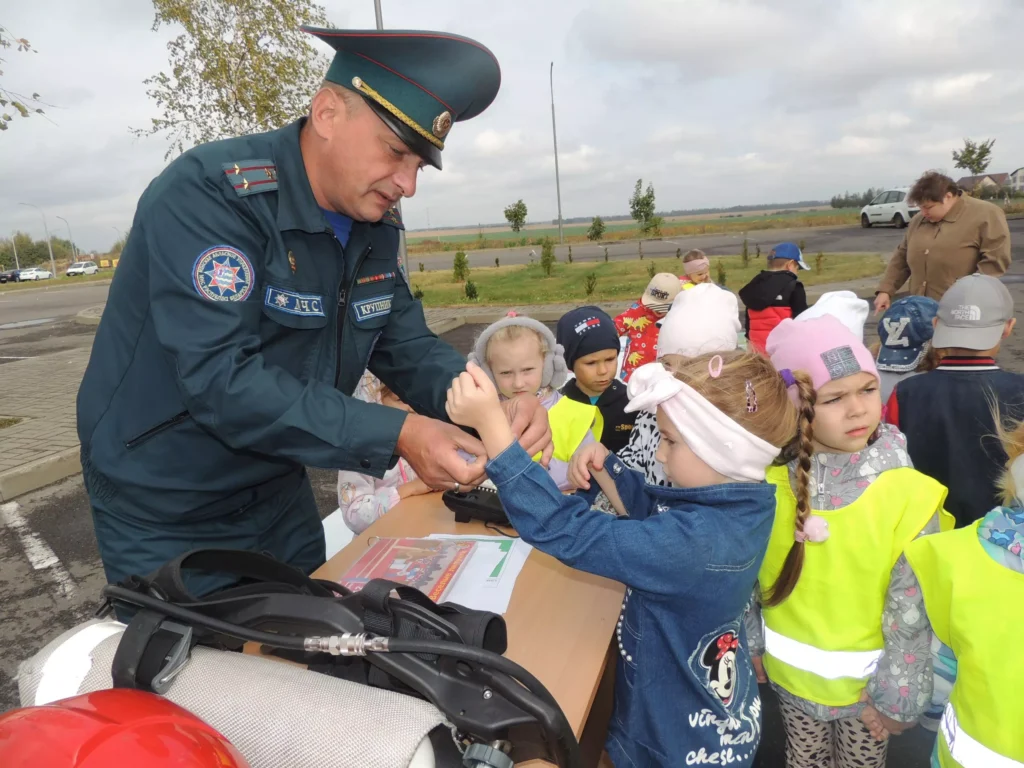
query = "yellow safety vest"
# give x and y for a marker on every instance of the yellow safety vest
(570, 420)
(974, 605)
(825, 640)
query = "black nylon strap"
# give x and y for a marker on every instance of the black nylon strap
(238, 562)
(135, 655)
(377, 616)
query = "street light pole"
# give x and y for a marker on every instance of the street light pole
(402, 252)
(74, 250)
(46, 229)
(554, 135)
(14, 245)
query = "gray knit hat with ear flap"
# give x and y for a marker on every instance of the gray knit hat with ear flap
(555, 371)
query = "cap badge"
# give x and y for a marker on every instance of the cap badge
(442, 124)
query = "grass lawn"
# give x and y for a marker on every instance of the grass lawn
(628, 231)
(616, 280)
(59, 281)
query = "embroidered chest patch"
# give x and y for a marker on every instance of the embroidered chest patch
(375, 306)
(306, 304)
(222, 273)
(840, 363)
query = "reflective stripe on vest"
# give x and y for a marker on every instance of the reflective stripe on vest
(968, 751)
(831, 665)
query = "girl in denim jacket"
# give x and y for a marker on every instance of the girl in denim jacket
(685, 691)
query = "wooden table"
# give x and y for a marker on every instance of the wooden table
(560, 621)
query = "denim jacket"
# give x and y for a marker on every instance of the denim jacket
(685, 691)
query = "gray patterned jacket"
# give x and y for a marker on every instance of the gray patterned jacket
(901, 687)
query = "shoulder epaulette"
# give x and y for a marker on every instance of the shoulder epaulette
(392, 217)
(251, 176)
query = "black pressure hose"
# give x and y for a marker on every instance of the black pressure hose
(553, 719)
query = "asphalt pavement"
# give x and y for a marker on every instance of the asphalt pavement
(828, 240)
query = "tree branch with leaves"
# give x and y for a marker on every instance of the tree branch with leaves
(239, 67)
(18, 103)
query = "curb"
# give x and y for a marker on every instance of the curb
(60, 287)
(41, 472)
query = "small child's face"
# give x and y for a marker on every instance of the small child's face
(391, 400)
(846, 414)
(517, 365)
(595, 372)
(700, 277)
(681, 465)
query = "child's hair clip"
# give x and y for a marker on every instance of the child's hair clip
(511, 313)
(715, 365)
(788, 377)
(751, 398)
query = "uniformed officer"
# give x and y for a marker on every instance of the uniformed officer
(260, 279)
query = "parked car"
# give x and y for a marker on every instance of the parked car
(35, 273)
(890, 207)
(83, 268)
(9, 276)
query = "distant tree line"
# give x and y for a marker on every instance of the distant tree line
(856, 200)
(33, 252)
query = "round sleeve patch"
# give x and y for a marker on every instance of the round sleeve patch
(223, 273)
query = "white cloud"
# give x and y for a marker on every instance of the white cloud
(855, 146)
(717, 102)
(948, 90)
(491, 142)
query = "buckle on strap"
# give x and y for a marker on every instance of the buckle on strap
(151, 652)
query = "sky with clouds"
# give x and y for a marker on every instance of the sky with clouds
(718, 102)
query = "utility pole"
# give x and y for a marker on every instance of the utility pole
(14, 245)
(402, 252)
(554, 135)
(46, 229)
(74, 249)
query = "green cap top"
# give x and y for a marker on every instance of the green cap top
(418, 83)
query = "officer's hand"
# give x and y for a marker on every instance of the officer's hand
(432, 448)
(587, 459)
(529, 421)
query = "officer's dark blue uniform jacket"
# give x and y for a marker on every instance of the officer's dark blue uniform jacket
(235, 329)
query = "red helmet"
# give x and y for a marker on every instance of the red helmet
(118, 727)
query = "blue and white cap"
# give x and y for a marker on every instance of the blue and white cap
(905, 331)
(789, 251)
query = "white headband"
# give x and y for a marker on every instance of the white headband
(717, 440)
(697, 265)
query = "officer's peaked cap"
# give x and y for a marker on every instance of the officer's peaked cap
(419, 83)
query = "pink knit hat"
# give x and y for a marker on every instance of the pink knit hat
(823, 347)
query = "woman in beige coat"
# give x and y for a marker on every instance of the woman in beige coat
(954, 235)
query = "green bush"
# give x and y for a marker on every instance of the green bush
(819, 262)
(547, 256)
(720, 277)
(471, 292)
(589, 284)
(570, 254)
(460, 267)
(652, 269)
(422, 268)
(497, 261)
(745, 253)
(679, 253)
(606, 253)
(640, 248)
(418, 294)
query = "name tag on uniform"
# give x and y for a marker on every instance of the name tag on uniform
(305, 304)
(376, 306)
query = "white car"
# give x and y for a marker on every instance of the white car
(890, 207)
(83, 268)
(35, 273)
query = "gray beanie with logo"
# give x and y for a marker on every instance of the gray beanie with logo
(555, 371)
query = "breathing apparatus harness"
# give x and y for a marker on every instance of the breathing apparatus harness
(446, 654)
